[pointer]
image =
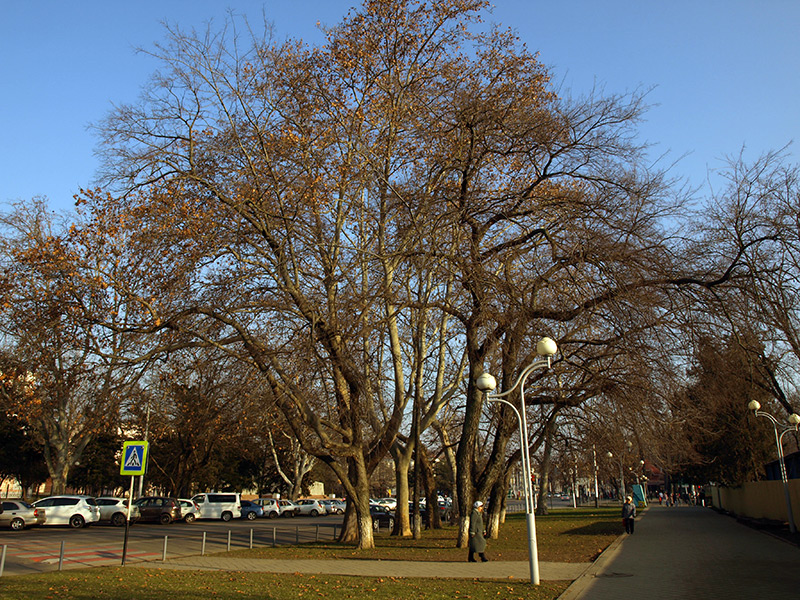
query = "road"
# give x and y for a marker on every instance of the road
(39, 549)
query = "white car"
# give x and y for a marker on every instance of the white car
(334, 507)
(75, 511)
(189, 510)
(223, 505)
(269, 506)
(309, 506)
(115, 510)
(388, 502)
(288, 508)
(273, 507)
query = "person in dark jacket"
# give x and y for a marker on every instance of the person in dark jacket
(628, 514)
(477, 535)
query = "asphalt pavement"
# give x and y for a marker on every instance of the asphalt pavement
(690, 552)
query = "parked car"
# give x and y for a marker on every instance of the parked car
(390, 503)
(75, 511)
(115, 510)
(288, 508)
(225, 506)
(159, 508)
(311, 507)
(269, 506)
(334, 507)
(382, 517)
(189, 510)
(18, 514)
(251, 510)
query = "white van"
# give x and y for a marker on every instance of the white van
(222, 505)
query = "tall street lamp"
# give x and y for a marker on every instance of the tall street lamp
(596, 487)
(486, 383)
(794, 420)
(610, 455)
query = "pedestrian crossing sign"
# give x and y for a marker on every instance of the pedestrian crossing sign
(134, 458)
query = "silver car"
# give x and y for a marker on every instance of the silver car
(18, 514)
(309, 506)
(115, 510)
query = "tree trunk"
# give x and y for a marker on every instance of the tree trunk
(357, 526)
(432, 518)
(544, 467)
(402, 462)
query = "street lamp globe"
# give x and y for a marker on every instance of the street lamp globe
(546, 347)
(486, 382)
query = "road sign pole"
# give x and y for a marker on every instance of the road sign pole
(127, 524)
(134, 462)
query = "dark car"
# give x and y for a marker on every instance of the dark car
(159, 509)
(382, 517)
(251, 510)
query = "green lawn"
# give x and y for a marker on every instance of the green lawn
(563, 536)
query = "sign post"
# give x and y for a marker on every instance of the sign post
(134, 463)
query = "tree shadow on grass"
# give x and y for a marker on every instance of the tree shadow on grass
(608, 528)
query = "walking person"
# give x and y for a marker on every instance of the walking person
(477, 535)
(628, 514)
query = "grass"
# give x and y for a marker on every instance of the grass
(116, 583)
(563, 536)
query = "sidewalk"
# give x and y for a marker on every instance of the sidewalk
(691, 552)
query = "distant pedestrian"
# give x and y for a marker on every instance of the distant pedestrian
(628, 514)
(477, 535)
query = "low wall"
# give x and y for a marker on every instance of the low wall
(758, 499)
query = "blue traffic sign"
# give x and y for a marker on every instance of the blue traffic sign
(134, 458)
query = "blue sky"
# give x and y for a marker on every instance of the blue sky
(725, 73)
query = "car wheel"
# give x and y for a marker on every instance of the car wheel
(190, 518)
(118, 519)
(314, 513)
(77, 521)
(17, 524)
(165, 519)
(273, 515)
(252, 515)
(226, 516)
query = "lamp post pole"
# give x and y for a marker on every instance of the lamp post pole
(486, 383)
(794, 420)
(596, 487)
(610, 455)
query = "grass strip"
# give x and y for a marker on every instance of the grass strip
(117, 583)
